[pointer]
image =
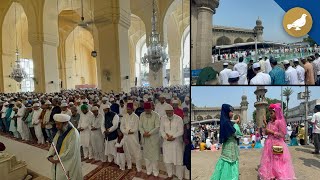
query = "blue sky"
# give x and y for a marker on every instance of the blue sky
(244, 13)
(215, 96)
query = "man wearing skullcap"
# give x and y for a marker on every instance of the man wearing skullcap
(260, 78)
(85, 132)
(186, 103)
(97, 137)
(36, 122)
(291, 74)
(67, 144)
(65, 110)
(233, 78)
(223, 76)
(109, 129)
(277, 74)
(22, 127)
(55, 110)
(46, 120)
(129, 126)
(171, 130)
(149, 128)
(115, 107)
(3, 116)
(241, 67)
(140, 109)
(103, 103)
(75, 117)
(122, 109)
(160, 106)
(300, 71)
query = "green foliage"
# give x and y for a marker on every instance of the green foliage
(309, 40)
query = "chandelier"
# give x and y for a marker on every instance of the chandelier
(156, 55)
(18, 73)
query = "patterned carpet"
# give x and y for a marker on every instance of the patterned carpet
(102, 172)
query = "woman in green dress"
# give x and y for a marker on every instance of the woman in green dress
(227, 167)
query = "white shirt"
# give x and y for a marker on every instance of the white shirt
(317, 66)
(224, 76)
(301, 72)
(292, 76)
(262, 66)
(3, 111)
(268, 66)
(316, 119)
(242, 69)
(160, 109)
(261, 78)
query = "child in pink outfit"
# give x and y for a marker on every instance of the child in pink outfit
(276, 166)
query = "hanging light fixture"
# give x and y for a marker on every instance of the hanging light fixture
(18, 73)
(156, 55)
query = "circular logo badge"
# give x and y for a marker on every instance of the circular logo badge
(297, 22)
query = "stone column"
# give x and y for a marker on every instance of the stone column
(206, 9)
(112, 44)
(1, 65)
(62, 62)
(194, 22)
(175, 68)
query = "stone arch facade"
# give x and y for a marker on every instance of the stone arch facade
(250, 40)
(238, 40)
(223, 40)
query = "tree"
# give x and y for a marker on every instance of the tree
(287, 92)
(309, 40)
(269, 101)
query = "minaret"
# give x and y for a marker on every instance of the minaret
(244, 110)
(259, 29)
(260, 105)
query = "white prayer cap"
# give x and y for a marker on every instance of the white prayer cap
(94, 108)
(61, 117)
(175, 102)
(295, 60)
(225, 64)
(260, 57)
(36, 105)
(234, 74)
(64, 105)
(286, 62)
(36, 99)
(5, 103)
(256, 65)
(168, 107)
(47, 102)
(112, 99)
(162, 95)
(78, 100)
(71, 103)
(105, 106)
(104, 99)
(63, 101)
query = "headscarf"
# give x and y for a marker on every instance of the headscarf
(226, 126)
(279, 118)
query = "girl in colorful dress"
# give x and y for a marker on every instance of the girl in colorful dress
(227, 166)
(275, 161)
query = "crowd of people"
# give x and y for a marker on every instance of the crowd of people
(111, 128)
(267, 71)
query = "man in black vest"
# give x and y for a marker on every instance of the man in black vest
(109, 128)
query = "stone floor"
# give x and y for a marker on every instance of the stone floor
(306, 165)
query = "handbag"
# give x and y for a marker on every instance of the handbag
(277, 149)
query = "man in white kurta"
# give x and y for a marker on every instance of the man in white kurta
(160, 106)
(67, 144)
(22, 127)
(109, 129)
(129, 126)
(171, 130)
(291, 74)
(36, 122)
(149, 126)
(85, 132)
(260, 78)
(224, 74)
(65, 110)
(97, 137)
(241, 67)
(268, 65)
(300, 71)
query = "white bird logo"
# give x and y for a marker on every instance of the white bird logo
(298, 23)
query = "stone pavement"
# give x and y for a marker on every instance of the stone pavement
(306, 165)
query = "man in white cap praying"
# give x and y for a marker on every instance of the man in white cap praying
(291, 74)
(233, 78)
(300, 71)
(46, 120)
(67, 143)
(171, 130)
(241, 67)
(224, 74)
(104, 102)
(36, 122)
(160, 106)
(97, 137)
(260, 78)
(22, 127)
(65, 110)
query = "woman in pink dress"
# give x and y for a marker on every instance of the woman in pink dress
(276, 166)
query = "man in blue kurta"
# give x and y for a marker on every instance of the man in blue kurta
(67, 142)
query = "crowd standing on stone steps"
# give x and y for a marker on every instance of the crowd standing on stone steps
(114, 127)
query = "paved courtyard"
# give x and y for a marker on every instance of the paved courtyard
(306, 165)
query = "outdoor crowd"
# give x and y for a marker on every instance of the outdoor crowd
(112, 127)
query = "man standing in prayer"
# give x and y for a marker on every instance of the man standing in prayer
(149, 127)
(160, 106)
(97, 138)
(129, 126)
(67, 144)
(262, 64)
(268, 65)
(241, 67)
(250, 73)
(36, 122)
(22, 127)
(55, 110)
(171, 130)
(65, 110)
(109, 129)
(300, 71)
(291, 74)
(177, 110)
(140, 109)
(224, 74)
(260, 78)
(315, 121)
(309, 80)
(277, 74)
(233, 78)
(46, 120)
(115, 107)
(316, 64)
(84, 128)
(75, 117)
